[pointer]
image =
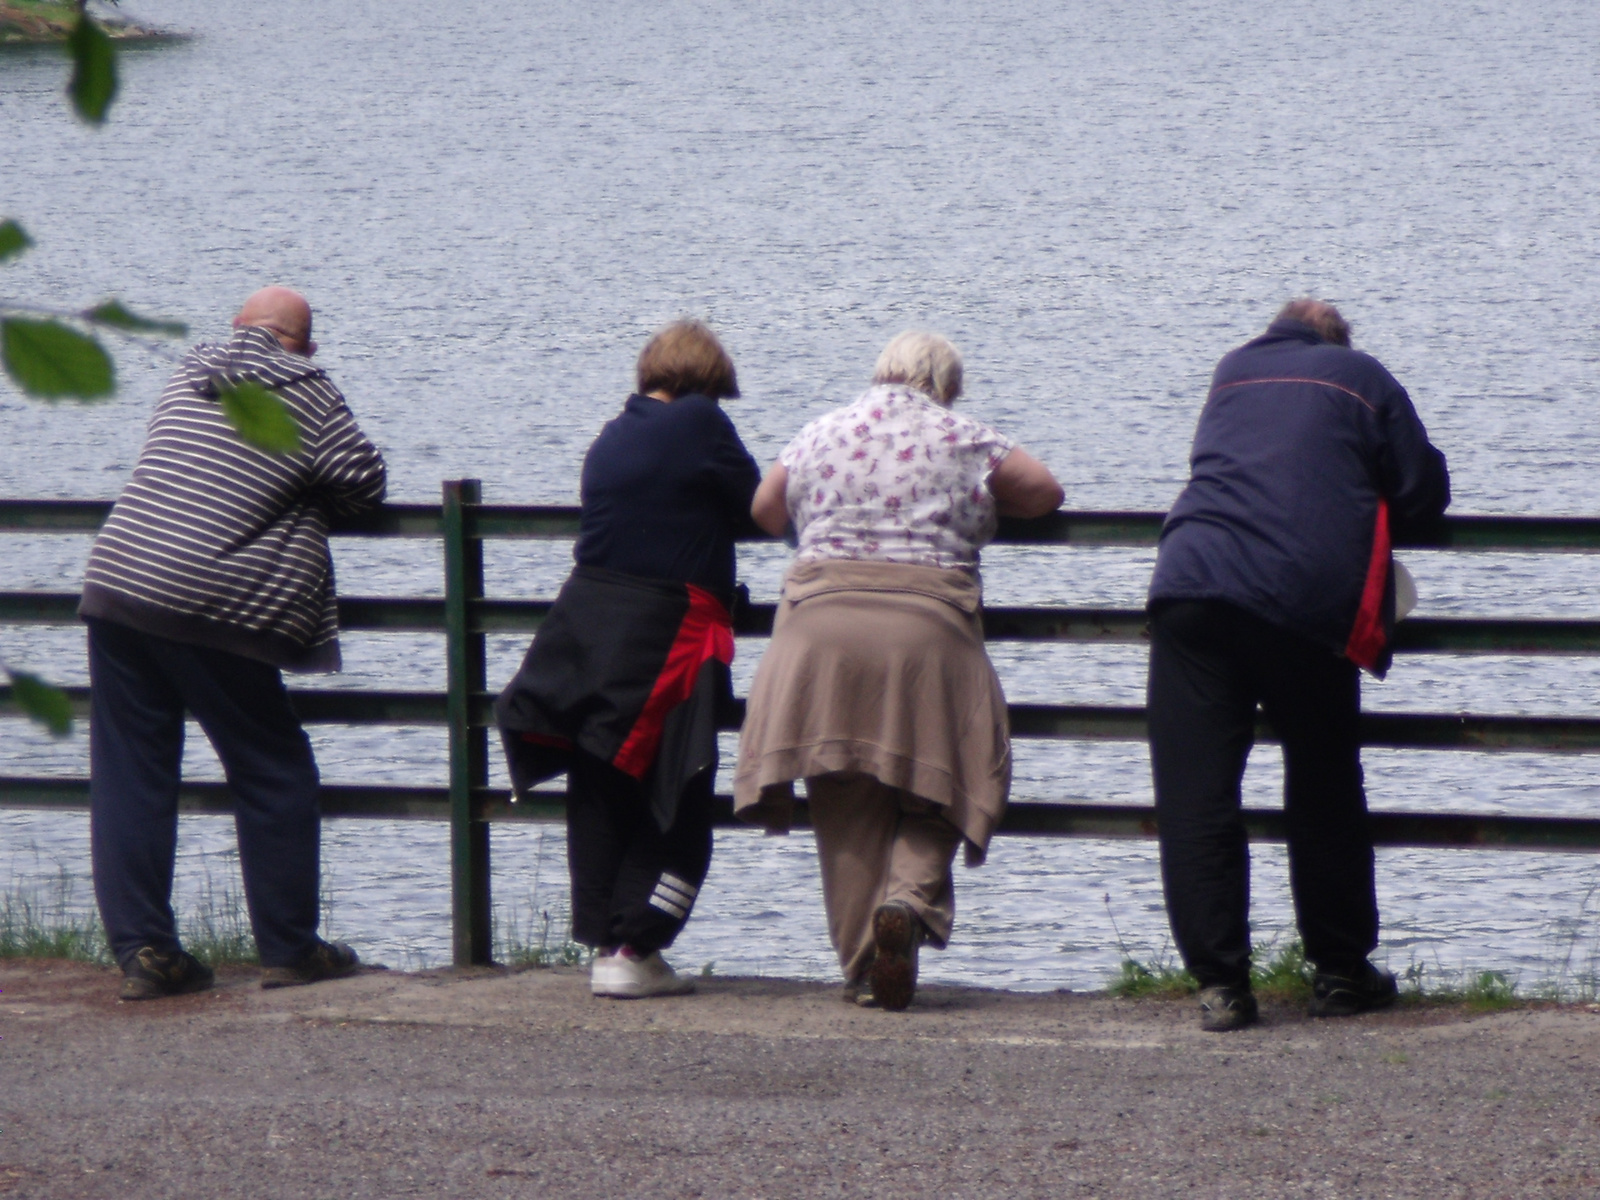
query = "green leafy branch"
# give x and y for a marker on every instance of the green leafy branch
(45, 357)
(49, 359)
(260, 417)
(40, 701)
(53, 354)
(94, 68)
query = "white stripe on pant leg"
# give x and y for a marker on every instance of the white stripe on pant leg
(667, 904)
(671, 883)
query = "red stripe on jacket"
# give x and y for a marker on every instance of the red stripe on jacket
(1367, 638)
(705, 633)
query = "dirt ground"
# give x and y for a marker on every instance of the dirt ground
(521, 1084)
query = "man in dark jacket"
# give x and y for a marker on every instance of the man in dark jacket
(210, 575)
(1273, 585)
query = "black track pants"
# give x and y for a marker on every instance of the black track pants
(1210, 664)
(631, 883)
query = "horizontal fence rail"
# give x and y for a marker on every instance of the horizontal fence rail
(465, 617)
(1542, 535)
(1022, 818)
(1418, 635)
(1071, 722)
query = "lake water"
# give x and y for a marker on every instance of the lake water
(491, 206)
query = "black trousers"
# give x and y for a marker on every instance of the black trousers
(1210, 664)
(139, 688)
(632, 884)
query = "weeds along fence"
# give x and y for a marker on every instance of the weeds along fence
(465, 615)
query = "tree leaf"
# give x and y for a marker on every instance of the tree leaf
(260, 417)
(94, 70)
(13, 240)
(41, 702)
(112, 312)
(51, 361)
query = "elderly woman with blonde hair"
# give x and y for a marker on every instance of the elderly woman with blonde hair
(876, 688)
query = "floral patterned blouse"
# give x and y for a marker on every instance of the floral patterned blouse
(894, 477)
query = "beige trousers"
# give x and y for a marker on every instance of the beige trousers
(877, 843)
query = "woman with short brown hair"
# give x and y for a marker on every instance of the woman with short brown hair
(622, 684)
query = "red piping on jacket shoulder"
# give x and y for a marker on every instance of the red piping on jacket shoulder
(705, 633)
(1367, 638)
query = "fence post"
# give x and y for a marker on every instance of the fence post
(469, 747)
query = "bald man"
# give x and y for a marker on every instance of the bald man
(282, 312)
(211, 576)
(1273, 586)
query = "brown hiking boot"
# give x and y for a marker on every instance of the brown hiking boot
(150, 974)
(897, 932)
(1348, 992)
(325, 960)
(1224, 1009)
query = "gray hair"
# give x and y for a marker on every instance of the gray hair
(925, 361)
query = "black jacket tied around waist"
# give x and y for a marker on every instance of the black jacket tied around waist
(632, 671)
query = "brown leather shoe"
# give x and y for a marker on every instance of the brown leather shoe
(1348, 992)
(1224, 1009)
(151, 974)
(325, 960)
(897, 932)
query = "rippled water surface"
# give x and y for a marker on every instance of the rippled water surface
(492, 205)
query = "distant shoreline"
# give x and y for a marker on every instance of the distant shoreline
(41, 22)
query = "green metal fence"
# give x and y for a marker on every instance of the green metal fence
(462, 523)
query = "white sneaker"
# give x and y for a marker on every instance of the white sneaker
(625, 977)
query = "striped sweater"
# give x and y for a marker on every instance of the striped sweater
(217, 543)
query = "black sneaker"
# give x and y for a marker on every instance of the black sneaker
(1345, 993)
(896, 933)
(150, 974)
(325, 960)
(1224, 1009)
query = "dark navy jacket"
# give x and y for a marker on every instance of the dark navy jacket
(631, 665)
(666, 489)
(1307, 460)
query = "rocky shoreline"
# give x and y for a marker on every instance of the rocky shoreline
(32, 22)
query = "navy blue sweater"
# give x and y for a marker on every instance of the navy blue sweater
(1297, 443)
(666, 490)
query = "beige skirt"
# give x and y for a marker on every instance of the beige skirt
(878, 668)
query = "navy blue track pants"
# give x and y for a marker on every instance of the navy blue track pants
(140, 687)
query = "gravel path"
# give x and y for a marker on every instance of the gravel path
(501, 1084)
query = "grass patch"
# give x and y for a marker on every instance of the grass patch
(48, 920)
(1275, 974)
(44, 922)
(1161, 976)
(527, 935)
(529, 941)
(1281, 973)
(217, 930)
(1482, 991)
